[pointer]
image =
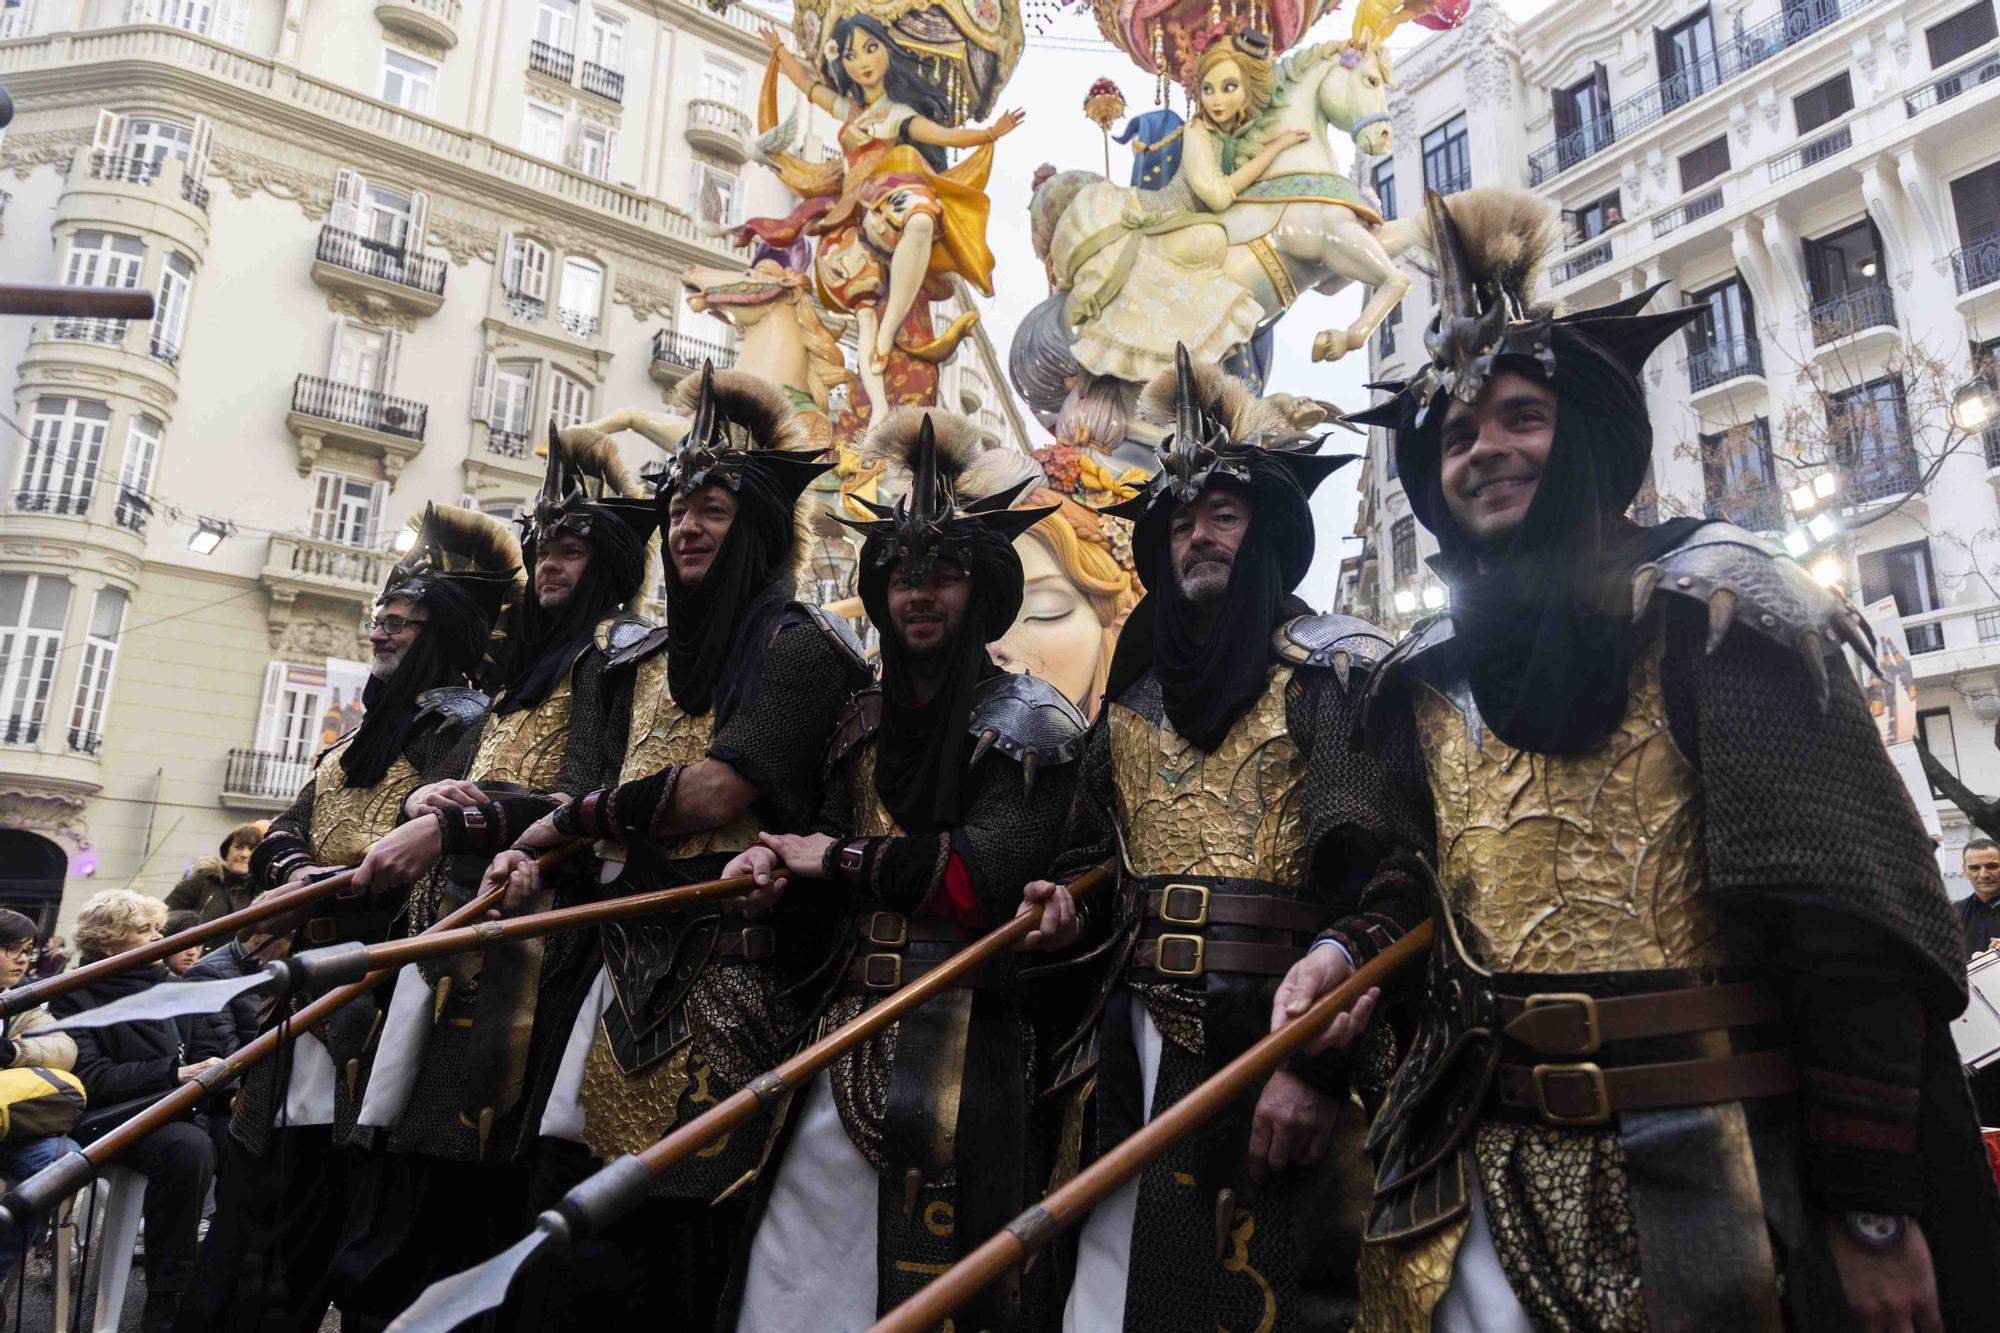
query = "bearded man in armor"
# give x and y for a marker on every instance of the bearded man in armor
(1682, 1059)
(1245, 824)
(948, 790)
(453, 1084)
(280, 1199)
(733, 703)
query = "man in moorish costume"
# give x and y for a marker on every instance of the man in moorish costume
(947, 793)
(1682, 1060)
(1246, 823)
(465, 1038)
(733, 704)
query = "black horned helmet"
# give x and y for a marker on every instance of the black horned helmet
(742, 425)
(585, 485)
(470, 550)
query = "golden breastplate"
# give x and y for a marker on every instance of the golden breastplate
(871, 818)
(526, 747)
(1236, 812)
(662, 736)
(1571, 863)
(346, 821)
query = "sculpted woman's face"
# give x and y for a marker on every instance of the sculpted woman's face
(1222, 93)
(1057, 635)
(865, 59)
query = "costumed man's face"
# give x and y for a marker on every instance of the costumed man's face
(1057, 635)
(1982, 867)
(1202, 539)
(696, 525)
(1222, 94)
(1494, 451)
(396, 624)
(925, 615)
(559, 567)
(865, 59)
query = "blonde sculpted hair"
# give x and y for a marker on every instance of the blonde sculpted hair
(114, 915)
(1258, 79)
(1074, 535)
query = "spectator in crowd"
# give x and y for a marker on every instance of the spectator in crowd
(22, 1048)
(1979, 913)
(178, 921)
(238, 1022)
(53, 958)
(133, 1064)
(215, 887)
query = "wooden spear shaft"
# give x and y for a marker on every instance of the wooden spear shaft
(1067, 1205)
(764, 1091)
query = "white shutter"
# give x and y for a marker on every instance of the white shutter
(482, 388)
(573, 148)
(204, 139)
(391, 355)
(326, 505)
(234, 20)
(349, 190)
(333, 354)
(269, 716)
(110, 134)
(378, 511)
(420, 217)
(535, 270)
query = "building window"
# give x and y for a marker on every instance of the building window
(592, 154)
(16, 19)
(569, 399)
(582, 296)
(1403, 549)
(1583, 117)
(1704, 164)
(526, 278)
(509, 398)
(1740, 476)
(65, 446)
(720, 81)
(1869, 428)
(170, 314)
(542, 131)
(1727, 317)
(1844, 262)
(555, 24)
(1962, 33)
(135, 474)
(1934, 731)
(1385, 186)
(1987, 623)
(1902, 572)
(93, 681)
(1688, 66)
(1448, 157)
(718, 195)
(1595, 218)
(1975, 202)
(104, 259)
(32, 610)
(388, 222)
(346, 510)
(288, 725)
(360, 356)
(1826, 102)
(408, 82)
(606, 44)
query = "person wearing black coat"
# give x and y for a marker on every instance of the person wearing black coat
(131, 1065)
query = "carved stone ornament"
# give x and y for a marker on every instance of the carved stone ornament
(371, 309)
(34, 550)
(44, 812)
(22, 153)
(646, 300)
(247, 174)
(315, 638)
(590, 109)
(464, 241)
(428, 50)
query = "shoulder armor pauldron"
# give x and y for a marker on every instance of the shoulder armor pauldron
(457, 704)
(1742, 580)
(841, 634)
(626, 641)
(862, 718)
(1335, 641)
(1424, 640)
(1027, 719)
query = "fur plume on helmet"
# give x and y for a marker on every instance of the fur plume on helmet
(893, 439)
(469, 541)
(1227, 399)
(591, 456)
(751, 402)
(1508, 237)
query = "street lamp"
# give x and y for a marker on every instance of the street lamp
(1433, 598)
(1404, 601)
(208, 535)
(1975, 405)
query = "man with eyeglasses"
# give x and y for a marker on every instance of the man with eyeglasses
(280, 1191)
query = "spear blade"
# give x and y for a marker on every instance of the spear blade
(173, 999)
(452, 1301)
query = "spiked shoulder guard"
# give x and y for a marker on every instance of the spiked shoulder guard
(1338, 643)
(456, 704)
(1741, 580)
(627, 638)
(1028, 720)
(840, 635)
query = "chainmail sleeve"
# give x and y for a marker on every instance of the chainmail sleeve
(600, 715)
(777, 741)
(1010, 835)
(286, 845)
(1087, 838)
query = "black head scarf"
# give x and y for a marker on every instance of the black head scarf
(390, 707)
(551, 640)
(717, 632)
(1546, 626)
(922, 750)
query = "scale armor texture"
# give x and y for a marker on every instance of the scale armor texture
(1026, 716)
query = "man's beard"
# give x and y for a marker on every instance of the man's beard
(1203, 582)
(382, 670)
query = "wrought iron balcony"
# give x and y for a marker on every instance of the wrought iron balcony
(20, 731)
(507, 443)
(84, 741)
(265, 774)
(194, 192)
(1708, 201)
(1983, 70)
(1819, 150)
(1760, 510)
(1581, 263)
(132, 510)
(1992, 442)
(377, 259)
(578, 323)
(525, 307)
(105, 332)
(1883, 473)
(73, 502)
(549, 60)
(349, 405)
(1731, 358)
(122, 167)
(1730, 60)
(606, 83)
(1455, 183)
(1870, 307)
(164, 352)
(673, 348)
(1977, 265)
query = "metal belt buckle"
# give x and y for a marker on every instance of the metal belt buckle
(1197, 915)
(1600, 1112)
(321, 930)
(882, 971)
(755, 942)
(890, 930)
(1196, 946)
(1592, 1035)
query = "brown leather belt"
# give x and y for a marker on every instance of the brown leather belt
(1197, 905)
(1182, 957)
(1173, 944)
(750, 943)
(1587, 1094)
(896, 950)
(1573, 1023)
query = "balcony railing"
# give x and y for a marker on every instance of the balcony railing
(1870, 307)
(131, 511)
(20, 731)
(265, 773)
(578, 323)
(1759, 510)
(166, 353)
(673, 348)
(368, 409)
(525, 307)
(106, 332)
(1385, 339)
(1732, 358)
(1992, 443)
(719, 127)
(1812, 154)
(1742, 53)
(84, 741)
(1698, 207)
(378, 259)
(506, 443)
(1456, 183)
(120, 167)
(1579, 264)
(1888, 472)
(359, 569)
(1977, 265)
(546, 59)
(72, 503)
(606, 83)
(194, 192)
(1982, 69)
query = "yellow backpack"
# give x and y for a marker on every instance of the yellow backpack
(36, 1103)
